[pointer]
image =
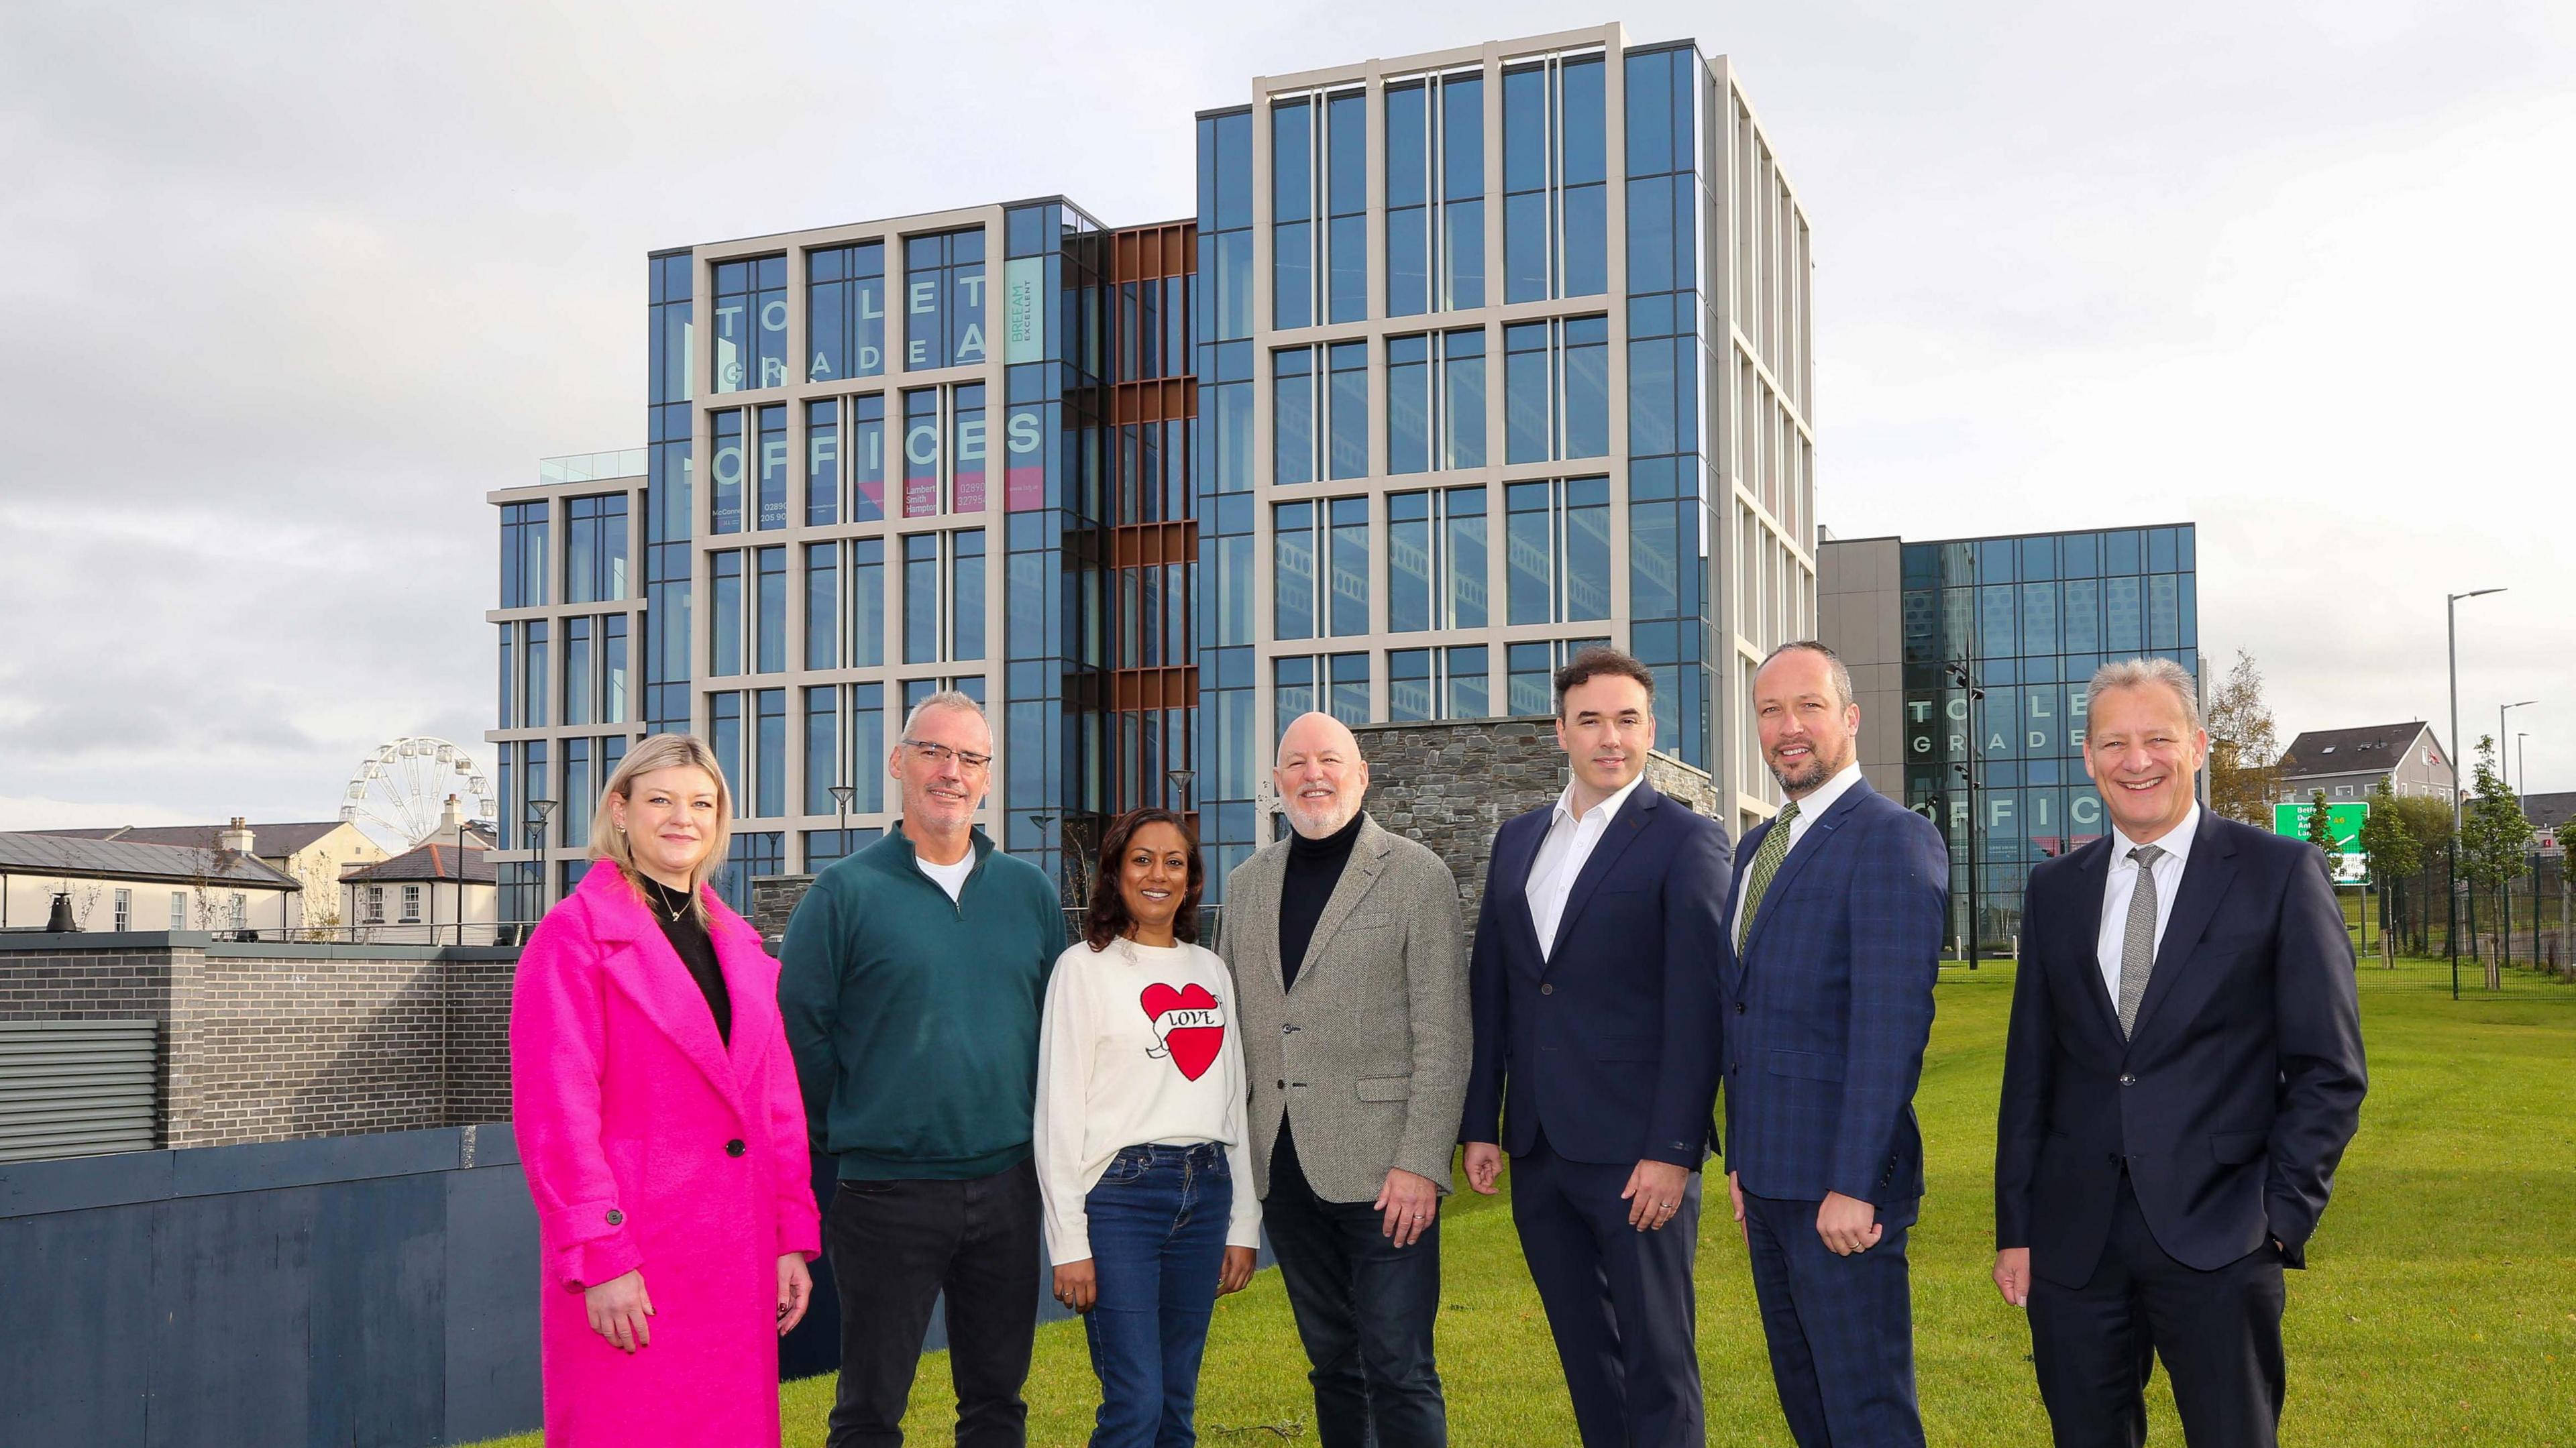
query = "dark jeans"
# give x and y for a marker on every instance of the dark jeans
(1158, 1218)
(1365, 1310)
(896, 1246)
(2219, 1333)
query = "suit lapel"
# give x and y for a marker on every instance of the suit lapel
(1730, 964)
(2205, 878)
(2083, 949)
(1515, 853)
(1819, 838)
(651, 975)
(1368, 857)
(1624, 828)
(1270, 871)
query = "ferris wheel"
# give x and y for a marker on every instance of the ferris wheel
(399, 791)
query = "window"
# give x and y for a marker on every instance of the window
(845, 311)
(1330, 440)
(1334, 533)
(769, 753)
(578, 670)
(1557, 538)
(822, 605)
(773, 467)
(822, 749)
(672, 351)
(921, 453)
(595, 548)
(724, 616)
(867, 748)
(920, 598)
(572, 820)
(724, 740)
(1556, 380)
(943, 310)
(1336, 684)
(1436, 683)
(1532, 677)
(966, 449)
(1435, 560)
(411, 904)
(1435, 195)
(966, 594)
(240, 913)
(533, 675)
(725, 466)
(769, 618)
(867, 602)
(1346, 198)
(751, 323)
(1438, 424)
(867, 454)
(523, 555)
(178, 910)
(612, 670)
(1292, 214)
(124, 911)
(1225, 222)
(375, 905)
(1554, 241)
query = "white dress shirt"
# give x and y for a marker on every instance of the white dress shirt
(1810, 810)
(1561, 856)
(2122, 883)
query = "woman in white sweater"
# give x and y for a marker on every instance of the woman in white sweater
(1150, 1215)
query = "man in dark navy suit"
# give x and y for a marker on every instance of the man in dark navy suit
(1832, 945)
(1595, 1058)
(2182, 1073)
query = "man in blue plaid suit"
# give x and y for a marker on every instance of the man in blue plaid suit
(1832, 945)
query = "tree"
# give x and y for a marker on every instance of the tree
(2321, 832)
(2495, 837)
(2393, 853)
(2244, 749)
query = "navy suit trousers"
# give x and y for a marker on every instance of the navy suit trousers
(1619, 1301)
(1841, 1329)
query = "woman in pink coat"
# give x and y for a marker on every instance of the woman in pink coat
(661, 1130)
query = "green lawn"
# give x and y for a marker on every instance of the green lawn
(2441, 1307)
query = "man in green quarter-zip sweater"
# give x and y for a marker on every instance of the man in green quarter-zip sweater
(911, 982)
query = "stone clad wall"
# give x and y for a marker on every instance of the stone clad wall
(1451, 783)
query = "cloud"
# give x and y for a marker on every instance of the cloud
(293, 286)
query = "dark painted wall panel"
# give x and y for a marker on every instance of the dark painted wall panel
(227, 1321)
(378, 1351)
(493, 1385)
(73, 1288)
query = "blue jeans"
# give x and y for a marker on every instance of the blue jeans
(1158, 1218)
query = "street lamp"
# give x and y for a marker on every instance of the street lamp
(1180, 782)
(2501, 711)
(841, 794)
(2451, 611)
(1039, 820)
(1960, 676)
(540, 811)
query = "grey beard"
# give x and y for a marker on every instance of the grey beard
(1316, 827)
(1818, 770)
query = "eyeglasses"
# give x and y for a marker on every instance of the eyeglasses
(930, 753)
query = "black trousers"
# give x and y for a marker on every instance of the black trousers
(896, 1247)
(1619, 1302)
(2219, 1334)
(1365, 1309)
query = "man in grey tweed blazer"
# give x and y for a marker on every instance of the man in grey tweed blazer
(1350, 991)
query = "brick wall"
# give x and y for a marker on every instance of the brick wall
(279, 1042)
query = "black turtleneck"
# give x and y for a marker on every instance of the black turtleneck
(688, 937)
(1314, 868)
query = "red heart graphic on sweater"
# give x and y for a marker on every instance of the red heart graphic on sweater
(1190, 1022)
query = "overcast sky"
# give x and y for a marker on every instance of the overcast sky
(289, 288)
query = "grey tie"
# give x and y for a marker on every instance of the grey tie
(2138, 943)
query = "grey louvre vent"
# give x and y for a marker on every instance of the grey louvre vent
(75, 1088)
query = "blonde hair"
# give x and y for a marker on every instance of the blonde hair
(662, 751)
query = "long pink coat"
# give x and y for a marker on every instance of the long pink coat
(648, 1145)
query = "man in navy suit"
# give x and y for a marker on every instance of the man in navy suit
(1595, 1063)
(1832, 945)
(2182, 1073)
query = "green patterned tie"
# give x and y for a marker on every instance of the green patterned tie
(1766, 860)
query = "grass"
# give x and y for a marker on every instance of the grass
(2441, 1306)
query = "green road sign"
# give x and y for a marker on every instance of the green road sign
(2343, 825)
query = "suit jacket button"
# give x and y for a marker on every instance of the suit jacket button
(2126, 1080)
(1739, 1008)
(1283, 1083)
(1547, 990)
(734, 1147)
(616, 1218)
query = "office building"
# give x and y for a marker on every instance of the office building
(1465, 360)
(1970, 656)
